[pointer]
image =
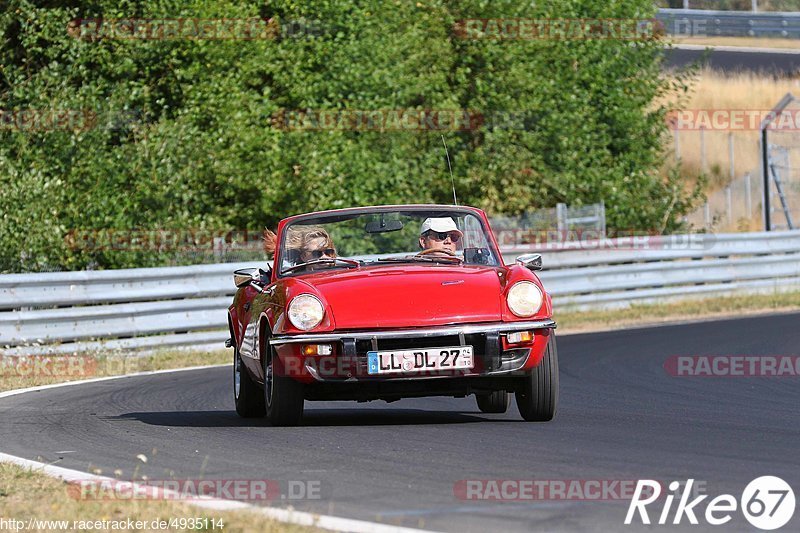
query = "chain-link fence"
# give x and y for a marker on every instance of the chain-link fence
(735, 197)
(783, 168)
(563, 222)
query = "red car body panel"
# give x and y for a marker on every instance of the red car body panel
(401, 296)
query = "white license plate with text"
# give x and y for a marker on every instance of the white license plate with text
(420, 360)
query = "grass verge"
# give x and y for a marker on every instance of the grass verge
(27, 495)
(653, 314)
(33, 371)
(742, 42)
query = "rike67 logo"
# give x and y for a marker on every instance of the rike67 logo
(767, 503)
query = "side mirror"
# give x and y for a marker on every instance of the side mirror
(530, 261)
(246, 276)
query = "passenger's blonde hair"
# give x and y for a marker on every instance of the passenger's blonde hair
(297, 238)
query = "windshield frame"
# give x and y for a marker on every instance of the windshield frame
(338, 215)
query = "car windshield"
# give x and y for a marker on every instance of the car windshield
(380, 237)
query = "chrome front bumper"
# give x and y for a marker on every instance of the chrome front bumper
(500, 327)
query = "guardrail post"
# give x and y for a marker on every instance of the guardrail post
(602, 216)
(703, 149)
(561, 221)
(765, 171)
(731, 157)
(748, 200)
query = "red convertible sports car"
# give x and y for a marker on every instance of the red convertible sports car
(390, 302)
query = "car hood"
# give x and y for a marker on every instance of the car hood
(412, 295)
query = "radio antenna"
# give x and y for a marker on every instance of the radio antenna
(452, 179)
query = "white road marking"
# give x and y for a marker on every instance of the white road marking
(289, 516)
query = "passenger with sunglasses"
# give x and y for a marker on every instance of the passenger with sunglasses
(439, 235)
(303, 244)
(312, 243)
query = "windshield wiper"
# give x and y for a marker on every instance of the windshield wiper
(324, 261)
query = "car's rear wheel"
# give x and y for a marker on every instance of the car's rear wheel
(538, 397)
(283, 395)
(247, 394)
(494, 402)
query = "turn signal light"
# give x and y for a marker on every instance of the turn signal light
(519, 336)
(317, 349)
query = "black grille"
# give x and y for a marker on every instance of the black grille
(485, 347)
(476, 340)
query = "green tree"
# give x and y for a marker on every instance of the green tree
(186, 134)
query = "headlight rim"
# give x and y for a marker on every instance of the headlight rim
(294, 300)
(518, 284)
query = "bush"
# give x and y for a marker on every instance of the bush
(183, 133)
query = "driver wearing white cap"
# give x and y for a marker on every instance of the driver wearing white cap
(439, 234)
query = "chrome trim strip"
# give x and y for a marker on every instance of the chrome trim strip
(377, 378)
(412, 333)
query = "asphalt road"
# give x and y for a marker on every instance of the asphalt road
(779, 64)
(621, 417)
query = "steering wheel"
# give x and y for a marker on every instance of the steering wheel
(430, 251)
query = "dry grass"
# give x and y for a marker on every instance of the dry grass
(28, 495)
(642, 315)
(744, 42)
(714, 90)
(17, 373)
(739, 91)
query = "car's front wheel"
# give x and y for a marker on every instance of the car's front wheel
(283, 395)
(538, 397)
(247, 394)
(494, 402)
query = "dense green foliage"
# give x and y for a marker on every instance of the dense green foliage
(185, 135)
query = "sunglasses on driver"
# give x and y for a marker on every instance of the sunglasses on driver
(440, 236)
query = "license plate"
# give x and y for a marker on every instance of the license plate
(420, 360)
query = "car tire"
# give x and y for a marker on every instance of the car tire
(247, 394)
(283, 396)
(538, 397)
(494, 402)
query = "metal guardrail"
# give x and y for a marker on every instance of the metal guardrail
(152, 308)
(707, 23)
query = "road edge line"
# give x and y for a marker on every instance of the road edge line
(289, 516)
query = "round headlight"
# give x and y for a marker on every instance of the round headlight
(306, 312)
(524, 299)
